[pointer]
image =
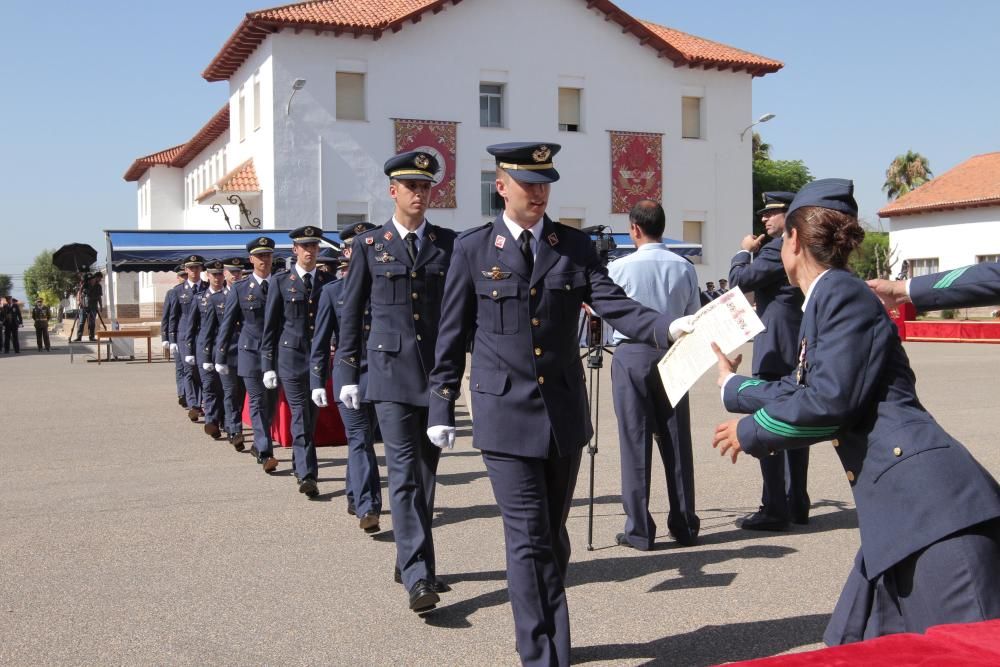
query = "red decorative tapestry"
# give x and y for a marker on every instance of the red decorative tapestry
(437, 137)
(636, 169)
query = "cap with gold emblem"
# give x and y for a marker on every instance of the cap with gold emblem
(180, 270)
(214, 266)
(528, 162)
(234, 264)
(347, 235)
(194, 260)
(412, 166)
(776, 201)
(329, 256)
(259, 245)
(307, 234)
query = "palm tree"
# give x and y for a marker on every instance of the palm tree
(761, 150)
(906, 173)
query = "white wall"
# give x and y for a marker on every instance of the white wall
(954, 237)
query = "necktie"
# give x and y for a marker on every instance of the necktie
(263, 286)
(411, 247)
(529, 258)
(308, 280)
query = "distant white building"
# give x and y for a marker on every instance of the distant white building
(321, 93)
(951, 221)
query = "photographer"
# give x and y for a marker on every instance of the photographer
(89, 298)
(662, 280)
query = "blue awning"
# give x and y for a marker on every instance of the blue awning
(625, 246)
(162, 250)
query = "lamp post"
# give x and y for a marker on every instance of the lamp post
(297, 85)
(763, 119)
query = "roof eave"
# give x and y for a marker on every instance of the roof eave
(936, 208)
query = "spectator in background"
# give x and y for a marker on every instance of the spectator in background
(40, 315)
(12, 320)
(723, 286)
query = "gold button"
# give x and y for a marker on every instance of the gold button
(538, 351)
(310, 327)
(416, 316)
(310, 300)
(414, 295)
(477, 385)
(897, 451)
(388, 274)
(368, 327)
(413, 275)
(535, 322)
(496, 293)
(850, 476)
(380, 346)
(418, 337)
(836, 443)
(568, 287)
(541, 379)
(533, 291)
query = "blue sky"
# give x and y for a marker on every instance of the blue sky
(90, 86)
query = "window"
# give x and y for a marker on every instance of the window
(923, 266)
(575, 223)
(347, 220)
(692, 234)
(569, 109)
(256, 105)
(490, 202)
(490, 105)
(691, 117)
(987, 258)
(350, 96)
(240, 114)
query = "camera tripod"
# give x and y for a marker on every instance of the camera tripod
(594, 327)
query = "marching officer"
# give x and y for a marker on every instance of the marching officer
(242, 325)
(200, 336)
(784, 498)
(965, 287)
(516, 286)
(399, 268)
(364, 484)
(289, 322)
(233, 390)
(40, 314)
(188, 293)
(169, 303)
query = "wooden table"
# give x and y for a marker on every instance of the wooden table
(146, 333)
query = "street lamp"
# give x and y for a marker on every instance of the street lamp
(297, 85)
(763, 119)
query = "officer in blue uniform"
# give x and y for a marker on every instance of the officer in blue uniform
(243, 325)
(200, 335)
(660, 279)
(779, 306)
(516, 286)
(169, 303)
(928, 512)
(289, 322)
(965, 287)
(399, 268)
(188, 293)
(364, 484)
(233, 389)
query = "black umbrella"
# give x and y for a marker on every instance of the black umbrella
(74, 257)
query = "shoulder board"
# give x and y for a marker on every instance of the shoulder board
(470, 232)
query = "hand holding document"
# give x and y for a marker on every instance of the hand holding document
(728, 321)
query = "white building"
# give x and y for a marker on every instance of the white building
(316, 90)
(951, 221)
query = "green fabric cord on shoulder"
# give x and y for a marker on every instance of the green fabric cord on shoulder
(950, 277)
(749, 383)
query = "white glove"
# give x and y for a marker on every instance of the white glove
(270, 380)
(222, 369)
(681, 326)
(350, 396)
(173, 349)
(189, 360)
(166, 344)
(442, 436)
(207, 367)
(319, 397)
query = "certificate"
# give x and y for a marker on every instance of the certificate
(728, 321)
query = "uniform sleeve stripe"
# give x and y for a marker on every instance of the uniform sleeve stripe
(749, 383)
(950, 277)
(784, 429)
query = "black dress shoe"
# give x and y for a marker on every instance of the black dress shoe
(236, 440)
(761, 520)
(352, 510)
(181, 401)
(422, 597)
(440, 587)
(308, 487)
(212, 430)
(369, 523)
(397, 576)
(194, 414)
(270, 464)
(685, 539)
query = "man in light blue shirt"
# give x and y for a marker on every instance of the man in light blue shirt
(662, 280)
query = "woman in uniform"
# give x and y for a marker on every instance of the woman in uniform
(927, 510)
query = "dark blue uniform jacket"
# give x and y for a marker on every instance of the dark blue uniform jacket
(967, 287)
(289, 318)
(242, 325)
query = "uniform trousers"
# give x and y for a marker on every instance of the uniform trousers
(10, 337)
(954, 580)
(211, 396)
(534, 496)
(785, 475)
(411, 461)
(233, 393)
(263, 402)
(42, 338)
(364, 484)
(644, 415)
(303, 426)
(192, 384)
(179, 376)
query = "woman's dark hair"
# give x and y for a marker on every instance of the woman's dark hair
(830, 236)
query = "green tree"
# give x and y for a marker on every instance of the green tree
(761, 150)
(906, 172)
(873, 258)
(771, 175)
(6, 284)
(42, 277)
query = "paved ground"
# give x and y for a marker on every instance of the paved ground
(127, 537)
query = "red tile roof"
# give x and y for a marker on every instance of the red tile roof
(241, 179)
(180, 156)
(375, 17)
(974, 183)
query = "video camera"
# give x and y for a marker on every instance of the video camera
(602, 240)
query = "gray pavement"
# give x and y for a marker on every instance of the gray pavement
(128, 537)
